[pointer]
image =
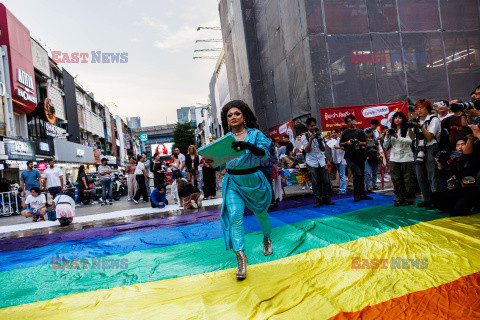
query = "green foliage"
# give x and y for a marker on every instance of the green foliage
(183, 136)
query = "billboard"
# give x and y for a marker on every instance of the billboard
(278, 131)
(162, 148)
(333, 118)
(143, 137)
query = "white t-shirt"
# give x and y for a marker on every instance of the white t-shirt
(181, 157)
(36, 202)
(448, 115)
(434, 127)
(139, 169)
(64, 198)
(53, 177)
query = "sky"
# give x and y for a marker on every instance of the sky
(159, 36)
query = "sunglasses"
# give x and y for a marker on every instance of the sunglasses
(236, 114)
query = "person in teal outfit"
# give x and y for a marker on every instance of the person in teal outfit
(244, 184)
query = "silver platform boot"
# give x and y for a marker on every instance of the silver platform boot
(242, 262)
(267, 246)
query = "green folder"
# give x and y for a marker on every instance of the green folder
(220, 151)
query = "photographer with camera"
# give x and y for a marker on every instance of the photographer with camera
(402, 167)
(354, 141)
(427, 129)
(462, 193)
(314, 147)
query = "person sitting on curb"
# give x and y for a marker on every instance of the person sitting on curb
(189, 195)
(38, 205)
(158, 197)
(64, 207)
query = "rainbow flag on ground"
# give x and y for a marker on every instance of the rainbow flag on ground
(366, 260)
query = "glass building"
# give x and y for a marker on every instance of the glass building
(289, 58)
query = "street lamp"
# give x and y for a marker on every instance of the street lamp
(209, 28)
(208, 40)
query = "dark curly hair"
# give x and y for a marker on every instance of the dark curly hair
(250, 118)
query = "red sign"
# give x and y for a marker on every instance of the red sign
(16, 37)
(42, 166)
(335, 117)
(278, 131)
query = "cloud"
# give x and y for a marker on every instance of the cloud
(176, 40)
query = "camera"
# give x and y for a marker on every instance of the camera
(463, 106)
(442, 155)
(391, 132)
(412, 123)
(356, 145)
(453, 183)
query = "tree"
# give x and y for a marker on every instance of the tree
(183, 136)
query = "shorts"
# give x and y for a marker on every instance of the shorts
(64, 210)
(31, 211)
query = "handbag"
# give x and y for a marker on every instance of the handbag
(51, 216)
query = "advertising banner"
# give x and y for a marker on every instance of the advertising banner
(278, 131)
(162, 148)
(335, 117)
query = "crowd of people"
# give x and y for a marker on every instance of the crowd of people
(435, 154)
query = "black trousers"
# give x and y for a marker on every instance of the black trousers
(357, 166)
(458, 202)
(142, 188)
(320, 181)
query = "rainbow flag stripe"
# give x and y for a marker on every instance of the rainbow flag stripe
(349, 261)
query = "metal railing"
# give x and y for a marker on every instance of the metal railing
(9, 203)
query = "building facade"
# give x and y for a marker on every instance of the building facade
(289, 58)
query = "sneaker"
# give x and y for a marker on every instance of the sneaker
(103, 204)
(110, 202)
(310, 188)
(194, 204)
(136, 202)
(129, 199)
(199, 201)
(303, 188)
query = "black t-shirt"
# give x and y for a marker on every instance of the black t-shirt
(288, 148)
(350, 152)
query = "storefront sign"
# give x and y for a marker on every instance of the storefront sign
(44, 147)
(66, 151)
(52, 131)
(335, 117)
(143, 137)
(19, 150)
(42, 166)
(16, 37)
(97, 155)
(278, 131)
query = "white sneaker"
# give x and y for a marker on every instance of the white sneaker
(103, 204)
(194, 204)
(303, 188)
(129, 199)
(136, 202)
(310, 188)
(199, 201)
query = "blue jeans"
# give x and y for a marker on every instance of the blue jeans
(342, 188)
(371, 169)
(107, 184)
(200, 179)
